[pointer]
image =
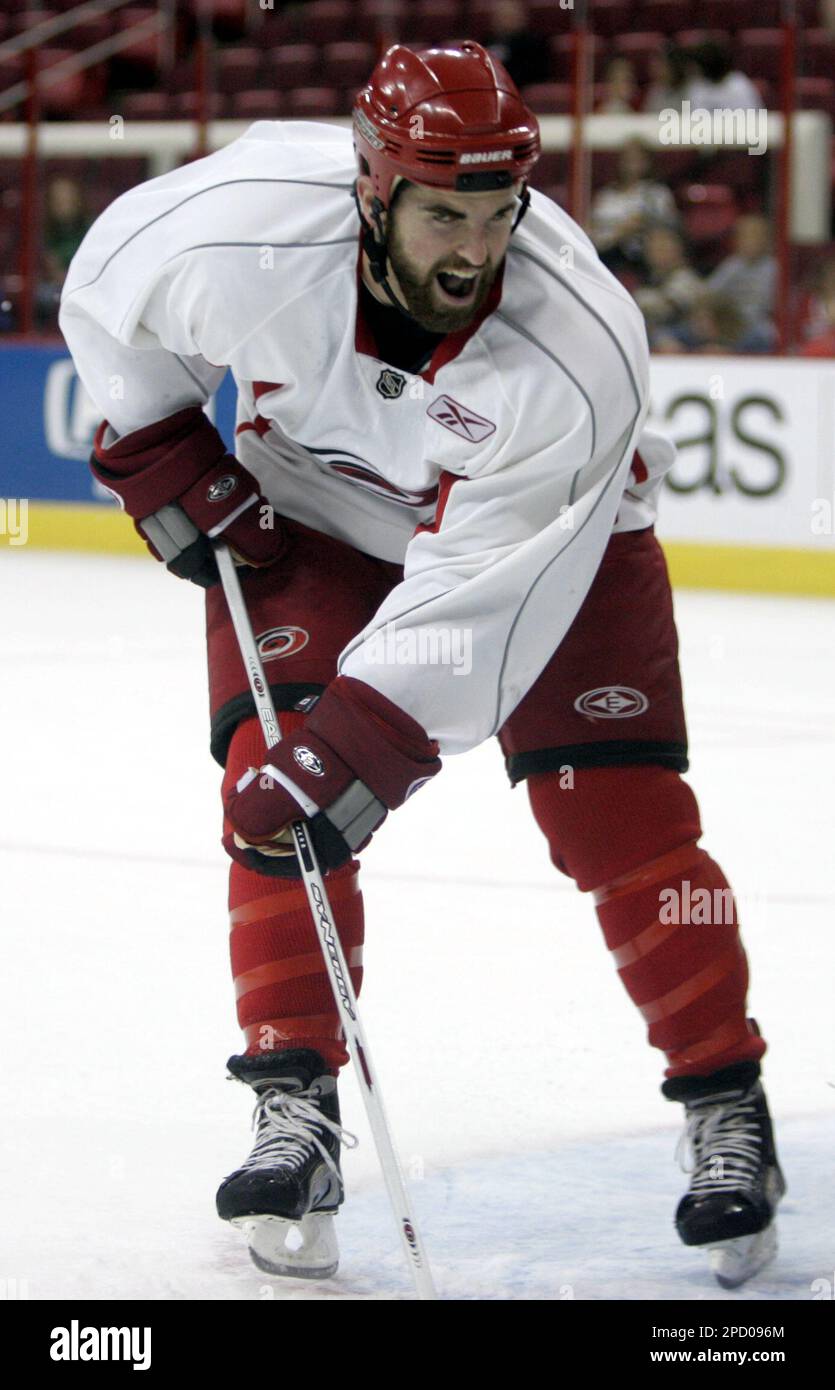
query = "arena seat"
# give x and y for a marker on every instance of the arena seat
(562, 57)
(306, 103)
(293, 65)
(237, 69)
(327, 21)
(549, 98)
(816, 94)
(666, 16)
(434, 21)
(709, 211)
(639, 48)
(611, 17)
(347, 64)
(816, 49)
(761, 52)
(259, 104)
(544, 17)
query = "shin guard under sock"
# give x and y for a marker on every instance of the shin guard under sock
(283, 992)
(629, 834)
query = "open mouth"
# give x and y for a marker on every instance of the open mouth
(457, 287)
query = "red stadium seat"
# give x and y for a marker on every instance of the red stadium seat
(347, 64)
(817, 53)
(144, 52)
(148, 106)
(229, 18)
(186, 105)
(549, 168)
(666, 16)
(479, 16)
(306, 103)
(611, 17)
(816, 94)
(761, 52)
(258, 105)
(293, 65)
(327, 21)
(639, 48)
(692, 38)
(545, 17)
(66, 94)
(549, 98)
(434, 21)
(738, 14)
(562, 57)
(709, 211)
(381, 18)
(237, 69)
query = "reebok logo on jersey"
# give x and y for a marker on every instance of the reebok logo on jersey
(460, 420)
(281, 641)
(611, 702)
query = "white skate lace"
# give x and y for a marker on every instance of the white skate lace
(288, 1125)
(725, 1146)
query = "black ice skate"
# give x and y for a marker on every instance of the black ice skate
(285, 1194)
(736, 1180)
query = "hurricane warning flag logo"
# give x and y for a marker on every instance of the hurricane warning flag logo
(460, 419)
(281, 641)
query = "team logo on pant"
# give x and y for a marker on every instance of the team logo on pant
(611, 702)
(306, 758)
(221, 488)
(281, 641)
(460, 420)
(390, 384)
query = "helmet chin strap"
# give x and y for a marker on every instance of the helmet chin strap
(376, 249)
(376, 246)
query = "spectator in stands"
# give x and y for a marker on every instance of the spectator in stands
(672, 284)
(667, 78)
(716, 85)
(714, 324)
(521, 51)
(749, 278)
(621, 212)
(621, 94)
(812, 294)
(65, 224)
(821, 332)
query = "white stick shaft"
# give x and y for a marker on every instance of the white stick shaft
(335, 963)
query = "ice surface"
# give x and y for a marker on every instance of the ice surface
(523, 1096)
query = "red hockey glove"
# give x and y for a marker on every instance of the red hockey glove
(358, 757)
(183, 490)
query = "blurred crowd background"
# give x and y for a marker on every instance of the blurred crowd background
(689, 230)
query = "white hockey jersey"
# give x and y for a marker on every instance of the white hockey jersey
(525, 428)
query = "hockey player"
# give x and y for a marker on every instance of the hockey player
(441, 430)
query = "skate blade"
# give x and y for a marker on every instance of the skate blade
(305, 1249)
(734, 1261)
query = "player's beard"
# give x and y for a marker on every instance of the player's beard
(420, 295)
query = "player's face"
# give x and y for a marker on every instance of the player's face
(445, 250)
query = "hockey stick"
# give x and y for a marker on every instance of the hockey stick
(337, 968)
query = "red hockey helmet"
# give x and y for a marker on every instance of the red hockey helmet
(450, 117)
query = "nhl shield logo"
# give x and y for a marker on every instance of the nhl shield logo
(390, 384)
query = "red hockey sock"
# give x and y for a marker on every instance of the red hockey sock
(668, 915)
(283, 993)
